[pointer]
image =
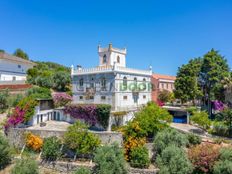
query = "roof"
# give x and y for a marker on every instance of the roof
(15, 87)
(4, 55)
(165, 77)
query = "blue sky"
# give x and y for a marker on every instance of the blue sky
(161, 33)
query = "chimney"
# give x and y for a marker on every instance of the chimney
(110, 46)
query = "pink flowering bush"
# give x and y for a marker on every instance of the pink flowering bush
(16, 118)
(61, 99)
(218, 105)
(84, 112)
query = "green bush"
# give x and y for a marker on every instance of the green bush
(82, 170)
(39, 92)
(13, 100)
(202, 119)
(3, 100)
(60, 80)
(5, 155)
(224, 165)
(193, 139)
(25, 166)
(110, 160)
(51, 148)
(79, 139)
(139, 157)
(173, 160)
(169, 137)
(103, 114)
(152, 119)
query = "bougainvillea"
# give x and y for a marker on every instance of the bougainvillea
(16, 118)
(34, 142)
(91, 114)
(218, 105)
(22, 112)
(84, 112)
(61, 99)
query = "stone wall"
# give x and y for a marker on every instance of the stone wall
(16, 136)
(69, 167)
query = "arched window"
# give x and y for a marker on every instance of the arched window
(81, 82)
(92, 83)
(118, 59)
(104, 59)
(124, 82)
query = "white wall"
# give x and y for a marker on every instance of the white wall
(9, 68)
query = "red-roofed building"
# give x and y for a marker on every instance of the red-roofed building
(161, 82)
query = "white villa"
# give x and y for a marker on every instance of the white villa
(111, 82)
(13, 69)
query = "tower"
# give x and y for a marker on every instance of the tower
(110, 56)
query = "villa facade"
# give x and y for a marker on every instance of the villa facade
(112, 82)
(13, 69)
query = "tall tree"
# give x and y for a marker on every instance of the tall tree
(20, 53)
(213, 70)
(186, 83)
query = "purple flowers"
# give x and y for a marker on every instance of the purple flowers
(16, 118)
(61, 99)
(85, 112)
(218, 105)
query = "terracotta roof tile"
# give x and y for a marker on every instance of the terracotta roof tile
(161, 76)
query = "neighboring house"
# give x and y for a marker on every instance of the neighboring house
(112, 82)
(13, 69)
(160, 83)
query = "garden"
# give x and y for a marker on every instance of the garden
(173, 152)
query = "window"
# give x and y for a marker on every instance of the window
(162, 85)
(103, 97)
(92, 83)
(124, 82)
(135, 83)
(13, 78)
(81, 97)
(91, 97)
(124, 97)
(118, 59)
(104, 58)
(166, 85)
(19, 66)
(103, 82)
(144, 96)
(81, 82)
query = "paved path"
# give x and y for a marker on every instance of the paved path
(190, 129)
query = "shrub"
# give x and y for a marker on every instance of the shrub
(5, 155)
(13, 100)
(91, 114)
(61, 99)
(169, 137)
(34, 142)
(61, 80)
(224, 165)
(103, 114)
(28, 105)
(39, 92)
(51, 148)
(3, 100)
(139, 157)
(203, 157)
(82, 170)
(220, 128)
(152, 118)
(202, 119)
(25, 166)
(110, 160)
(193, 139)
(79, 139)
(173, 160)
